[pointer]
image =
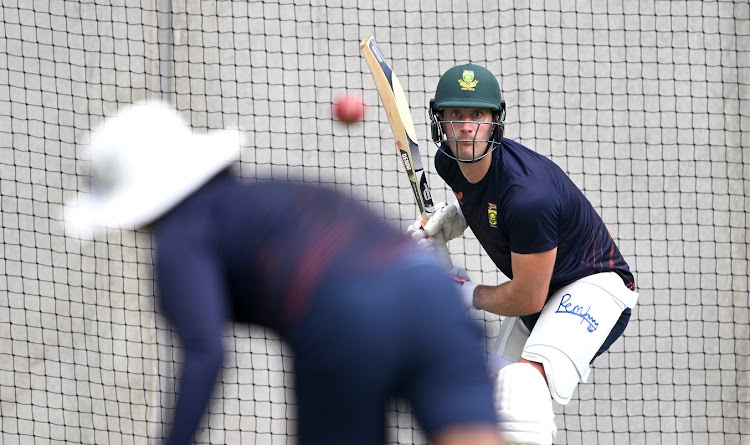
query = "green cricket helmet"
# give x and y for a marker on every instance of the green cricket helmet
(467, 86)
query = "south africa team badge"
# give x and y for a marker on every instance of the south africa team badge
(467, 80)
(492, 214)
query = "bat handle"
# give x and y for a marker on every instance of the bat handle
(440, 247)
(443, 254)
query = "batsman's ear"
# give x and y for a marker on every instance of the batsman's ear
(497, 133)
(434, 122)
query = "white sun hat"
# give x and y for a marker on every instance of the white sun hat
(144, 161)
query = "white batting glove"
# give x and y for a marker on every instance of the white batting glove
(417, 233)
(436, 244)
(467, 287)
(446, 223)
(447, 220)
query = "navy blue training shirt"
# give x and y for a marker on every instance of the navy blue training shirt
(253, 253)
(527, 204)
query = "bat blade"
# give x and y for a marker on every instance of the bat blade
(397, 109)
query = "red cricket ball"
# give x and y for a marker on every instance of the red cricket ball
(349, 108)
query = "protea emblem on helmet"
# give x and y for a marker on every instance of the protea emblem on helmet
(467, 80)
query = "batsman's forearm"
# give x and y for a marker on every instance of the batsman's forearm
(507, 299)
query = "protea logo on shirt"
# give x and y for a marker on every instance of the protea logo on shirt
(492, 214)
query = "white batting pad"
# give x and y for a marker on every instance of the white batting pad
(507, 347)
(572, 327)
(524, 406)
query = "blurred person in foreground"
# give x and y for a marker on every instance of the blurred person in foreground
(368, 314)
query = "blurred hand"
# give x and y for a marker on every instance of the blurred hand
(466, 286)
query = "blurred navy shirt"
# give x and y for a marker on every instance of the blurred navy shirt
(253, 253)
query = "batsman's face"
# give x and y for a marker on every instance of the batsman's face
(467, 130)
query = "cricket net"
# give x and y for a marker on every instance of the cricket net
(646, 105)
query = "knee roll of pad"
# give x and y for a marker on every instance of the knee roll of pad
(524, 406)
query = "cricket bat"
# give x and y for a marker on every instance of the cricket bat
(399, 116)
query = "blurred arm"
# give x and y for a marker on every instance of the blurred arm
(470, 435)
(193, 298)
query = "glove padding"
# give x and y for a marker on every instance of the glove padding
(435, 243)
(446, 223)
(466, 286)
(417, 233)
